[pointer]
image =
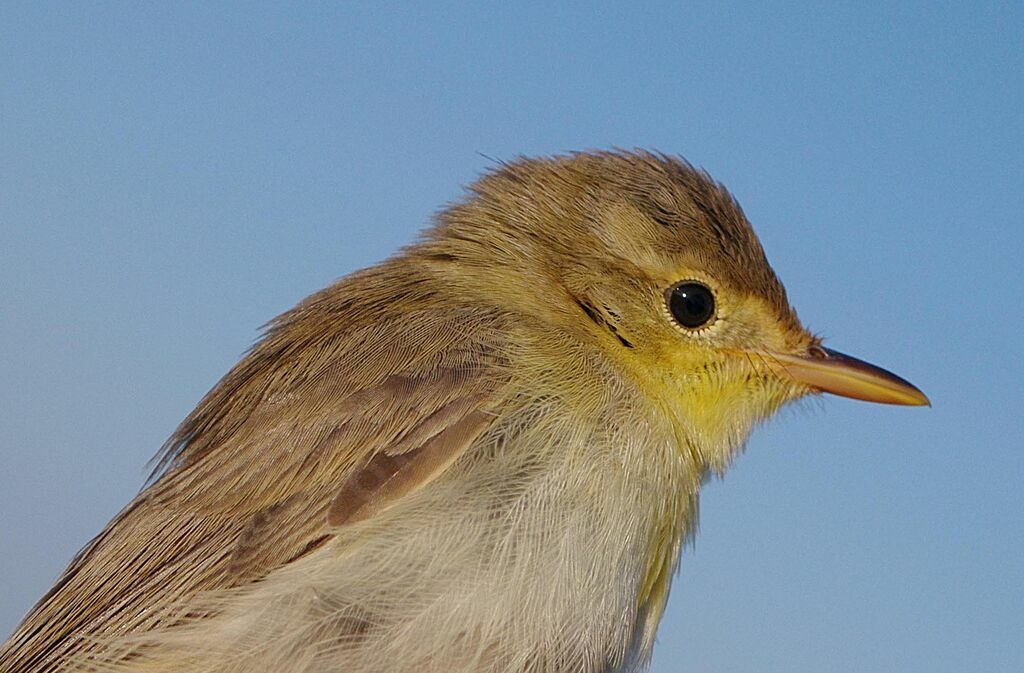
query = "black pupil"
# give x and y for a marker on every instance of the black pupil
(692, 304)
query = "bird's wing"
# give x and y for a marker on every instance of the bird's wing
(309, 432)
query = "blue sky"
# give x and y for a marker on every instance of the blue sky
(171, 177)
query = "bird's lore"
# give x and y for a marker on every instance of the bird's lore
(481, 455)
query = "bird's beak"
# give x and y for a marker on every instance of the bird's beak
(832, 372)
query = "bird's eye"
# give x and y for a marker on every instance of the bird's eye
(691, 304)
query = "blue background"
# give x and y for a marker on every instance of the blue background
(171, 178)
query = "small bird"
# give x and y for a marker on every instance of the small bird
(483, 454)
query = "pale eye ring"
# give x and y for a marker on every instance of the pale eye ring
(691, 304)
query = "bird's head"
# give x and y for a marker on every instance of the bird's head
(655, 264)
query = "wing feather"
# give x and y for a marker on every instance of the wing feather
(337, 414)
(390, 475)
